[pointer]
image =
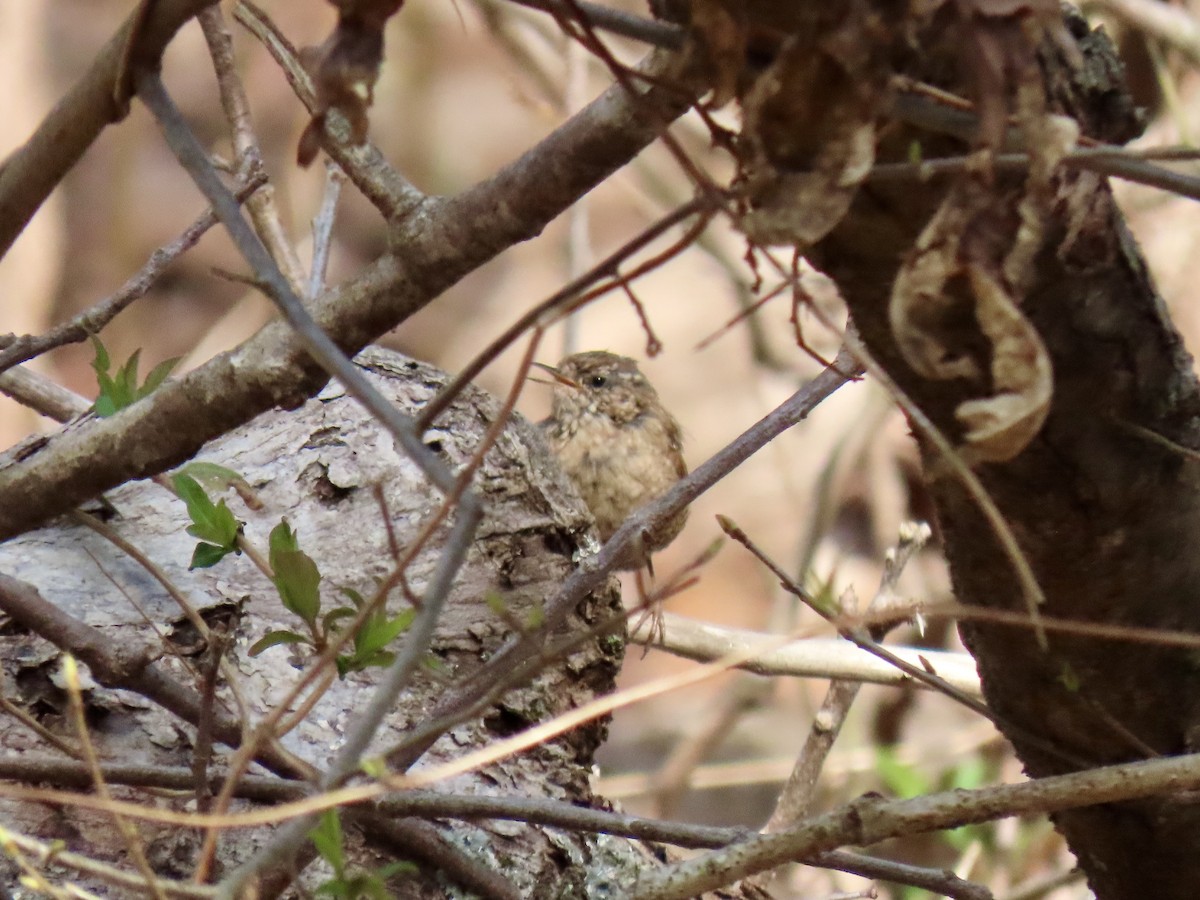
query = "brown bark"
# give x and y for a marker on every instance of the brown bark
(1105, 512)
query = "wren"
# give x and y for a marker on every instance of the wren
(617, 443)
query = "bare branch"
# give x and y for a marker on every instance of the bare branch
(40, 393)
(29, 175)
(93, 319)
(807, 658)
(439, 244)
(872, 819)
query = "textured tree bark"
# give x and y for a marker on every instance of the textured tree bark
(1104, 503)
(317, 466)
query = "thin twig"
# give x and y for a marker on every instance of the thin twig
(796, 798)
(423, 840)
(78, 862)
(133, 840)
(575, 23)
(379, 182)
(1036, 888)
(247, 153)
(464, 807)
(185, 605)
(578, 242)
(39, 393)
(97, 99)
(1031, 591)
(322, 227)
(323, 349)
(1105, 159)
(22, 716)
(674, 776)
(872, 819)
(1175, 26)
(566, 296)
(122, 666)
(446, 239)
(861, 637)
(649, 31)
(192, 156)
(93, 319)
(808, 658)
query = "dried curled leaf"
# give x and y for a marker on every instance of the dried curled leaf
(345, 68)
(810, 128)
(1049, 138)
(954, 265)
(924, 313)
(1001, 426)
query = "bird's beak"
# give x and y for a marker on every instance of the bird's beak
(558, 376)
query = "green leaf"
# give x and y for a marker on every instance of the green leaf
(1069, 678)
(373, 766)
(335, 615)
(496, 603)
(438, 666)
(127, 375)
(212, 476)
(205, 555)
(298, 581)
(211, 522)
(378, 631)
(355, 597)
(359, 661)
(282, 538)
(157, 376)
(374, 888)
(104, 405)
(327, 838)
(115, 391)
(297, 577)
(274, 639)
(973, 772)
(395, 868)
(101, 364)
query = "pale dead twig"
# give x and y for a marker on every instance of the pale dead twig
(322, 227)
(859, 635)
(807, 657)
(95, 317)
(133, 840)
(796, 798)
(248, 158)
(18, 847)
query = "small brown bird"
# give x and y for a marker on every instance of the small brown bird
(617, 442)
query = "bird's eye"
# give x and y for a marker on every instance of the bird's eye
(598, 381)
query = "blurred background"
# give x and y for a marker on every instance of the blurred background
(466, 87)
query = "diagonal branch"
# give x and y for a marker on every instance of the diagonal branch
(440, 242)
(95, 101)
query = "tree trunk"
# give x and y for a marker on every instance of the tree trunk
(1103, 502)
